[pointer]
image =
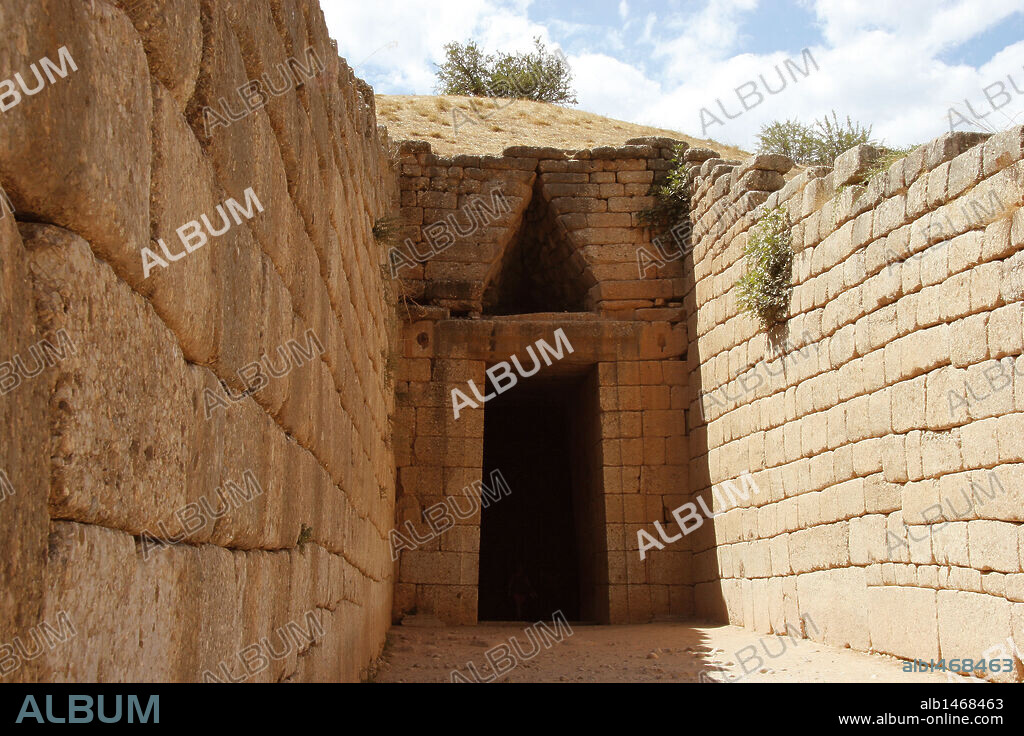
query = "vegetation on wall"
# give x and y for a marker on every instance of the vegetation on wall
(881, 164)
(765, 288)
(671, 199)
(385, 230)
(539, 74)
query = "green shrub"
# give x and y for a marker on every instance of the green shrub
(790, 138)
(766, 286)
(385, 230)
(832, 138)
(671, 199)
(538, 75)
(816, 144)
(533, 75)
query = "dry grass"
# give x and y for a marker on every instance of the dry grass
(490, 126)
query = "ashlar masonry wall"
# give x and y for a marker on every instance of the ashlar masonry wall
(883, 423)
(233, 402)
(578, 214)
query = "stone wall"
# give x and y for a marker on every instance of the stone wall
(577, 214)
(883, 422)
(234, 400)
(590, 200)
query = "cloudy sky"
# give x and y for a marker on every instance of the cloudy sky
(900, 65)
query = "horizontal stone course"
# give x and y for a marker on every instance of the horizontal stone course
(906, 287)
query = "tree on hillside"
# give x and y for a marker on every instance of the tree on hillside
(466, 70)
(539, 75)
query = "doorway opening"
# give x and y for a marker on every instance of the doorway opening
(542, 546)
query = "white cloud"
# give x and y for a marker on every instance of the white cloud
(924, 24)
(998, 93)
(419, 30)
(612, 87)
(880, 65)
(880, 62)
(707, 36)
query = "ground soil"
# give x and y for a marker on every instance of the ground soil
(670, 651)
(482, 125)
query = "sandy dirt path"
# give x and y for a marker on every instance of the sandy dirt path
(678, 652)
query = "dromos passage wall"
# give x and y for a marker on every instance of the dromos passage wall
(197, 476)
(883, 422)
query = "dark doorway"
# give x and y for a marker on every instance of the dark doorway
(530, 540)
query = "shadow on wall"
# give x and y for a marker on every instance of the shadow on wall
(540, 270)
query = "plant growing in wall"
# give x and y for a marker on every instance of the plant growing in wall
(888, 158)
(766, 286)
(385, 230)
(879, 166)
(671, 199)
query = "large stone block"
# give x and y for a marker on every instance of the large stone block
(835, 604)
(971, 623)
(80, 557)
(94, 125)
(244, 153)
(25, 451)
(903, 621)
(993, 545)
(122, 399)
(172, 35)
(851, 166)
(185, 293)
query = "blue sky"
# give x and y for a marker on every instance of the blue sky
(900, 65)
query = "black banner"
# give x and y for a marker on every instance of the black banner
(305, 707)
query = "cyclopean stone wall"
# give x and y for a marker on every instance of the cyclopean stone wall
(228, 394)
(884, 424)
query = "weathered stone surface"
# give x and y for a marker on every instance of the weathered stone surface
(172, 35)
(766, 162)
(886, 448)
(903, 622)
(24, 454)
(921, 313)
(851, 166)
(117, 436)
(656, 142)
(107, 465)
(184, 189)
(699, 155)
(94, 125)
(990, 616)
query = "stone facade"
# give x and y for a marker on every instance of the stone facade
(878, 425)
(577, 214)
